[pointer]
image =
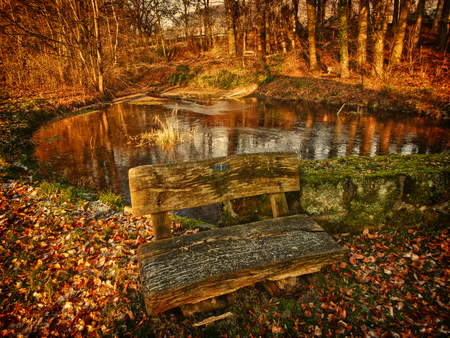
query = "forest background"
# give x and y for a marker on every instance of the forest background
(100, 48)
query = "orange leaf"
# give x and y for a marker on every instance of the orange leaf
(277, 329)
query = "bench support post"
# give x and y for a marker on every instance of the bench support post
(279, 205)
(161, 225)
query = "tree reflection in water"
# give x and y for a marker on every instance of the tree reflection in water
(94, 150)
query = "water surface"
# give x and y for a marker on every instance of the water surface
(96, 151)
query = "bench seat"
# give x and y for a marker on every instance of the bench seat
(196, 267)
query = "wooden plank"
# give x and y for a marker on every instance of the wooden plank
(190, 269)
(159, 188)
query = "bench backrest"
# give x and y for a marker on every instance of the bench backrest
(160, 188)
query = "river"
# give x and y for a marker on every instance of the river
(96, 150)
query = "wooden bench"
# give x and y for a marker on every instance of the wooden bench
(192, 268)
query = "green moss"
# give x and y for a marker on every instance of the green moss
(189, 223)
(226, 80)
(111, 199)
(391, 190)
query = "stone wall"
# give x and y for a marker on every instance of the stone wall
(353, 193)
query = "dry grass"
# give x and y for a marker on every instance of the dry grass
(169, 133)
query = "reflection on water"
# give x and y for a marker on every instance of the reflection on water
(94, 150)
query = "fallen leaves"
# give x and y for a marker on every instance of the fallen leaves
(65, 274)
(73, 273)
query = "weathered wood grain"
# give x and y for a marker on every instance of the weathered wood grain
(279, 205)
(159, 188)
(190, 269)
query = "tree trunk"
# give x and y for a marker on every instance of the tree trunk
(343, 37)
(361, 56)
(116, 40)
(205, 27)
(381, 12)
(280, 25)
(294, 22)
(208, 19)
(418, 26)
(199, 14)
(259, 26)
(244, 27)
(437, 16)
(311, 12)
(443, 26)
(163, 43)
(98, 47)
(267, 26)
(395, 15)
(319, 22)
(230, 12)
(400, 33)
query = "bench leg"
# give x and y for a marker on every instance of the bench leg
(279, 205)
(209, 305)
(161, 225)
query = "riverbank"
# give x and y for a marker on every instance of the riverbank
(420, 87)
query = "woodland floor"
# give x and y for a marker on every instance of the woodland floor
(69, 268)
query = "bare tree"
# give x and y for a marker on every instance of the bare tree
(442, 38)
(399, 38)
(437, 16)
(207, 21)
(267, 26)
(343, 37)
(311, 13)
(199, 15)
(231, 12)
(361, 56)
(294, 22)
(280, 27)
(244, 27)
(381, 13)
(185, 15)
(418, 25)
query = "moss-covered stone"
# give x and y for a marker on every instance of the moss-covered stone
(354, 193)
(374, 192)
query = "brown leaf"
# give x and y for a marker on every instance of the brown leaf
(276, 329)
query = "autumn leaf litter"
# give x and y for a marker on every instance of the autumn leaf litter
(70, 269)
(64, 268)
